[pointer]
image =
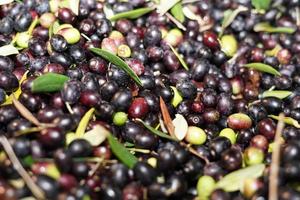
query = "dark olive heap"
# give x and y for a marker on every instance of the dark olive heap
(85, 88)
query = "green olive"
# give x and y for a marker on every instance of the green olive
(174, 37)
(205, 186)
(195, 135)
(71, 35)
(229, 133)
(120, 118)
(22, 39)
(229, 45)
(124, 51)
(253, 156)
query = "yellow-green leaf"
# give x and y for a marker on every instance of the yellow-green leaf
(234, 181)
(281, 94)
(177, 99)
(266, 27)
(177, 12)
(287, 120)
(179, 57)
(132, 14)
(96, 136)
(166, 5)
(263, 67)
(84, 122)
(8, 50)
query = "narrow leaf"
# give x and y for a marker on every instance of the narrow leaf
(177, 99)
(180, 127)
(261, 4)
(177, 12)
(164, 6)
(118, 62)
(179, 58)
(25, 112)
(157, 132)
(189, 14)
(166, 117)
(229, 16)
(234, 181)
(132, 14)
(266, 27)
(96, 136)
(53, 28)
(287, 120)
(3, 2)
(281, 94)
(8, 50)
(49, 82)
(71, 4)
(84, 122)
(121, 152)
(263, 67)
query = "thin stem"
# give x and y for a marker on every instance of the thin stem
(36, 191)
(175, 21)
(146, 151)
(274, 167)
(193, 151)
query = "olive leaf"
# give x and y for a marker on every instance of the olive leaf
(166, 117)
(287, 120)
(53, 29)
(164, 6)
(281, 94)
(73, 5)
(8, 50)
(182, 62)
(3, 2)
(177, 12)
(96, 136)
(121, 152)
(49, 82)
(132, 14)
(266, 27)
(177, 98)
(229, 16)
(118, 62)
(234, 181)
(84, 122)
(261, 4)
(263, 67)
(180, 127)
(157, 132)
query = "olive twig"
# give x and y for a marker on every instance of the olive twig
(36, 191)
(274, 167)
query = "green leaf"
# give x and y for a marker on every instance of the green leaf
(8, 50)
(261, 4)
(53, 28)
(132, 14)
(166, 5)
(263, 67)
(157, 132)
(177, 98)
(234, 181)
(177, 12)
(266, 27)
(281, 94)
(121, 152)
(118, 62)
(287, 120)
(229, 16)
(179, 58)
(84, 122)
(49, 82)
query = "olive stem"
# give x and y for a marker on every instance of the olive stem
(146, 151)
(274, 167)
(175, 21)
(36, 191)
(193, 151)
